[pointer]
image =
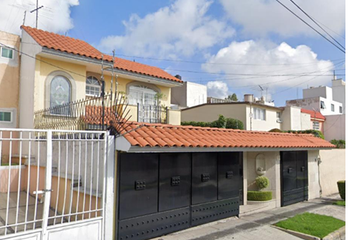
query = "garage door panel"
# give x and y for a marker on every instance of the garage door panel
(228, 175)
(204, 177)
(138, 185)
(175, 181)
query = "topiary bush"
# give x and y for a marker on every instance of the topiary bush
(341, 188)
(259, 196)
(262, 182)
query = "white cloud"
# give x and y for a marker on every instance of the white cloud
(53, 17)
(217, 89)
(252, 63)
(260, 17)
(179, 29)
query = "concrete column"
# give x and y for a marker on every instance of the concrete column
(278, 181)
(245, 178)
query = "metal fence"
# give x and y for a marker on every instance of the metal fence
(50, 177)
(92, 113)
(152, 113)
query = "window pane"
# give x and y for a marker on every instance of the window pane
(5, 116)
(7, 53)
(60, 93)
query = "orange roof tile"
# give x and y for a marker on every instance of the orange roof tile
(314, 114)
(79, 47)
(163, 135)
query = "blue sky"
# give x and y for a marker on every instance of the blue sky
(230, 46)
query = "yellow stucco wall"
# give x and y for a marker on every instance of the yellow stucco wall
(78, 72)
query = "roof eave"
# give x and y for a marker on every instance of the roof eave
(121, 145)
(128, 74)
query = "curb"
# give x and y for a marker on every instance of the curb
(298, 234)
(336, 235)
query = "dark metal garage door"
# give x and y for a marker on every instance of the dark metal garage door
(164, 193)
(294, 177)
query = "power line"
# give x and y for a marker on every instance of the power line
(317, 23)
(311, 26)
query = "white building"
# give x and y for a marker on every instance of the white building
(189, 94)
(328, 101)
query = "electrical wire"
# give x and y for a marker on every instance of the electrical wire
(311, 26)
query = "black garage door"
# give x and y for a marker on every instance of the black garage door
(294, 174)
(163, 193)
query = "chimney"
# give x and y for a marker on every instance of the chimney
(248, 97)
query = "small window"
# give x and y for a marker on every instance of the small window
(323, 106)
(332, 107)
(340, 109)
(7, 53)
(93, 87)
(259, 113)
(5, 117)
(316, 125)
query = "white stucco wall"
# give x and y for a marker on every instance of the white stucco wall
(334, 127)
(313, 174)
(196, 94)
(332, 169)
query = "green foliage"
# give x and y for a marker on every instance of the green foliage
(312, 224)
(316, 133)
(275, 130)
(341, 188)
(234, 123)
(262, 182)
(259, 196)
(222, 122)
(338, 143)
(232, 97)
(340, 203)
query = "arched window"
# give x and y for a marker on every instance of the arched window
(93, 87)
(142, 94)
(60, 94)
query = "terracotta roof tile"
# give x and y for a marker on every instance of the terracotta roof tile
(79, 47)
(314, 114)
(188, 136)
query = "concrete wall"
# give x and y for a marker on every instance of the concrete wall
(313, 174)
(174, 117)
(293, 119)
(189, 94)
(211, 112)
(338, 89)
(334, 127)
(332, 169)
(9, 79)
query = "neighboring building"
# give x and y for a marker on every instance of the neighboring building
(9, 79)
(254, 115)
(324, 99)
(189, 94)
(327, 108)
(294, 118)
(218, 100)
(58, 69)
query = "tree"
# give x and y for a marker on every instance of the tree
(232, 97)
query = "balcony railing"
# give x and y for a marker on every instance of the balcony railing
(151, 113)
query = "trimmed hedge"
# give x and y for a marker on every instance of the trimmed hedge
(341, 188)
(316, 133)
(259, 195)
(262, 182)
(222, 122)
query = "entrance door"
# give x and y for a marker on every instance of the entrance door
(294, 177)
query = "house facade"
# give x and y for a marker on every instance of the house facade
(56, 69)
(9, 79)
(189, 95)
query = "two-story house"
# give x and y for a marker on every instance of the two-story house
(57, 69)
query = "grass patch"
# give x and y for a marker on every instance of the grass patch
(312, 224)
(339, 203)
(7, 164)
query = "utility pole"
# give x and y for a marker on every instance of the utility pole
(36, 10)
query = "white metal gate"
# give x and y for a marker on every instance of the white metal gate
(52, 184)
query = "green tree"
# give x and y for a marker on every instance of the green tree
(232, 97)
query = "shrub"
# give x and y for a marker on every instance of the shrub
(341, 188)
(275, 130)
(262, 182)
(259, 196)
(234, 123)
(338, 143)
(316, 133)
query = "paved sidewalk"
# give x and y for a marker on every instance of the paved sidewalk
(258, 225)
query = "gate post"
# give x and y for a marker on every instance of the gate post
(110, 192)
(48, 185)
